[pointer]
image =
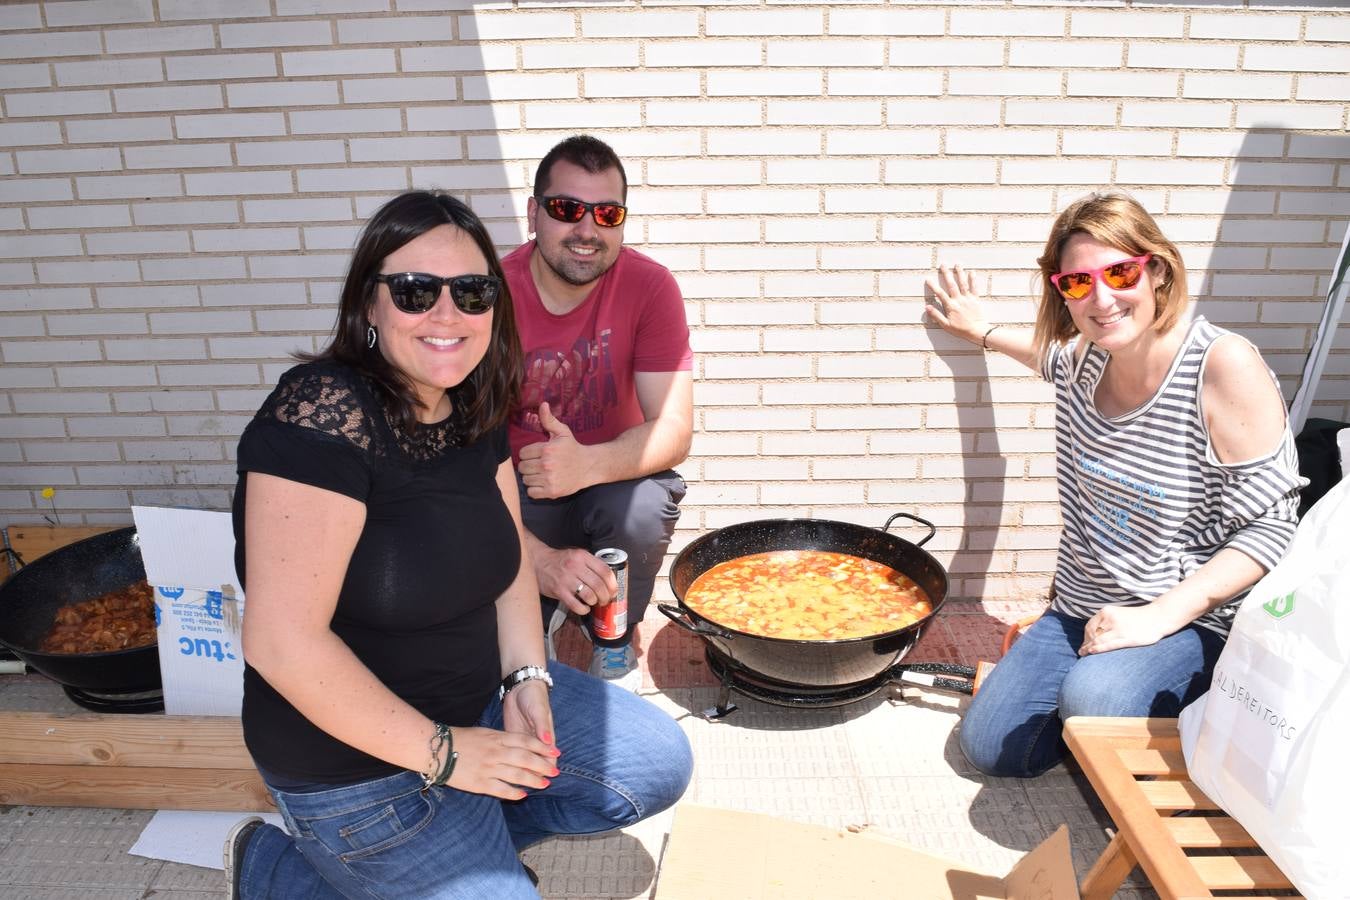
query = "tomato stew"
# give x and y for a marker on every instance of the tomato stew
(807, 595)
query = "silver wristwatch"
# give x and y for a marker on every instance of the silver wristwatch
(524, 673)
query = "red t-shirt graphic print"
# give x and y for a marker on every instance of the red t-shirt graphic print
(582, 363)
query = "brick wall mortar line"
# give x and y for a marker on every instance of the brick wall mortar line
(680, 157)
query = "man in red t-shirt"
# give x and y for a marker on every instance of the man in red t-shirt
(607, 398)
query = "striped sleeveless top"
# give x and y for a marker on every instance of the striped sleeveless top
(1143, 497)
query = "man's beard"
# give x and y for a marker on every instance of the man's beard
(576, 272)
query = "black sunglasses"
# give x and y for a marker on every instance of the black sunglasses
(571, 210)
(417, 292)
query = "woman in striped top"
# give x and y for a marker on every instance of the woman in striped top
(1178, 484)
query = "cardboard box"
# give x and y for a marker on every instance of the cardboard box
(199, 607)
(719, 853)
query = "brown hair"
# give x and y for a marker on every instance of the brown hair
(483, 399)
(583, 151)
(1116, 220)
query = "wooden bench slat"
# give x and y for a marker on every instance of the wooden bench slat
(1152, 761)
(1240, 873)
(1120, 733)
(1208, 832)
(133, 788)
(95, 739)
(1175, 795)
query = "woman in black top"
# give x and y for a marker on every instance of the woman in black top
(396, 695)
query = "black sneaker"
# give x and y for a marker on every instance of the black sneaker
(235, 844)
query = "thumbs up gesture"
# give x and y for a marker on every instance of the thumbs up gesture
(556, 467)
(552, 425)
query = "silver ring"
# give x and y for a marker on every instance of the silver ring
(576, 591)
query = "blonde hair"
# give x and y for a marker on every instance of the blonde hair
(1116, 220)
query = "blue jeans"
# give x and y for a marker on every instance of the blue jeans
(637, 516)
(622, 760)
(1013, 726)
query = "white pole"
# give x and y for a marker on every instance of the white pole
(1326, 330)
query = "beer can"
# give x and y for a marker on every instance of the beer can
(611, 620)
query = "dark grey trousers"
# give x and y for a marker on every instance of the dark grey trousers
(637, 516)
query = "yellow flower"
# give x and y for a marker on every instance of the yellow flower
(48, 493)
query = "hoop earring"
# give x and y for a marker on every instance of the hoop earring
(371, 336)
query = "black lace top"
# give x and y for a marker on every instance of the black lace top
(438, 548)
(335, 403)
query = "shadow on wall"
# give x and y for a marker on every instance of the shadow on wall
(1268, 279)
(479, 114)
(984, 467)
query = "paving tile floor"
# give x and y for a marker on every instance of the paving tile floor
(883, 764)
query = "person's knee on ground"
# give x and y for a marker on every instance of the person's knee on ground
(1004, 745)
(1012, 728)
(996, 749)
(668, 767)
(677, 767)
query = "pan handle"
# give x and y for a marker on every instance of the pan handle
(932, 529)
(680, 618)
(943, 676)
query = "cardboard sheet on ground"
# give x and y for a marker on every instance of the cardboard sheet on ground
(194, 838)
(723, 853)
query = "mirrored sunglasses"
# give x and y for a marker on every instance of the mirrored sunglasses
(571, 210)
(1119, 276)
(417, 292)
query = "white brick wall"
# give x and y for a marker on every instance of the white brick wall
(183, 179)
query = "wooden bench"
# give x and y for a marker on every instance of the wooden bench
(1137, 769)
(127, 762)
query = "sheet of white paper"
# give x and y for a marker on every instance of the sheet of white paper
(195, 838)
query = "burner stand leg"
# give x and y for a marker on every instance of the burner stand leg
(724, 705)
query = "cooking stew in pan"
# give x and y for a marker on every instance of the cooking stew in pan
(811, 595)
(118, 620)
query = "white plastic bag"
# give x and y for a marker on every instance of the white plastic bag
(1269, 739)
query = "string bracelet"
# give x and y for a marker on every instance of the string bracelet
(451, 757)
(984, 342)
